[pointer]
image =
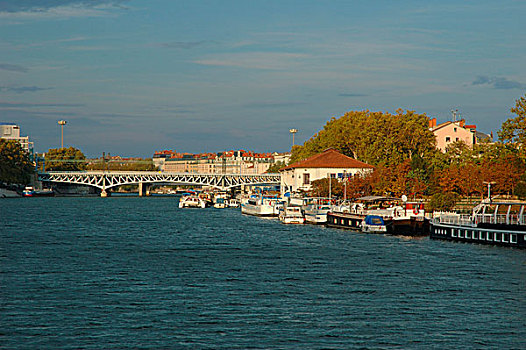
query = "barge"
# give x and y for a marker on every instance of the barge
(495, 223)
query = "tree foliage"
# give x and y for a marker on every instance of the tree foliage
(402, 149)
(65, 159)
(15, 164)
(373, 137)
(274, 168)
(443, 201)
(138, 164)
(513, 130)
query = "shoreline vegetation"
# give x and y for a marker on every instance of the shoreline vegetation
(400, 146)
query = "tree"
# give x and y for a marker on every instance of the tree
(443, 201)
(373, 137)
(513, 130)
(274, 168)
(15, 165)
(135, 164)
(65, 159)
(320, 188)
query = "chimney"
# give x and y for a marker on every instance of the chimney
(462, 122)
(433, 122)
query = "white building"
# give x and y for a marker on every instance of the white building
(10, 131)
(298, 176)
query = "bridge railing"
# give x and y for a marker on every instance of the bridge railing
(100, 172)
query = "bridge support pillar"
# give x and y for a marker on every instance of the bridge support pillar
(104, 194)
(143, 189)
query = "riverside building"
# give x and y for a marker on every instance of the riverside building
(10, 131)
(330, 163)
(230, 162)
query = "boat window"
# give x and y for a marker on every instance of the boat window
(482, 236)
(513, 238)
(454, 233)
(505, 237)
(497, 237)
(489, 236)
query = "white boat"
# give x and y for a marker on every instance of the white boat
(233, 203)
(191, 201)
(292, 215)
(220, 203)
(373, 224)
(316, 211)
(260, 206)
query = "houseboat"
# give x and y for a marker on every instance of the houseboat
(496, 223)
(400, 216)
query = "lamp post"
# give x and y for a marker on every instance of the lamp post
(293, 132)
(489, 183)
(62, 123)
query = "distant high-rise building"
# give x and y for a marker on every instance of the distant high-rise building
(11, 131)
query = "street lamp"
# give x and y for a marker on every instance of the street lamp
(489, 183)
(62, 123)
(293, 132)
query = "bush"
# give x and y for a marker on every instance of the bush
(443, 201)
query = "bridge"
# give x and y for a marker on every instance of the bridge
(108, 179)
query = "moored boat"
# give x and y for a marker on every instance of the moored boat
(29, 191)
(260, 206)
(373, 224)
(220, 203)
(316, 210)
(191, 201)
(495, 223)
(292, 215)
(233, 203)
(345, 220)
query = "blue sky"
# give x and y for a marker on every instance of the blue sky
(136, 76)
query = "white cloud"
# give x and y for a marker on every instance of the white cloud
(255, 60)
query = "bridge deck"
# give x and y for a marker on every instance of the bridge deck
(108, 179)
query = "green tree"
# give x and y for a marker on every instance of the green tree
(373, 137)
(135, 164)
(274, 168)
(15, 164)
(65, 159)
(513, 130)
(443, 201)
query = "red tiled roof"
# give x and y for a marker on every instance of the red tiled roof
(330, 158)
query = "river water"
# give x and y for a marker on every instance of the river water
(102, 273)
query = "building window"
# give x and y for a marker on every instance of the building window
(456, 138)
(448, 139)
(306, 179)
(455, 129)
